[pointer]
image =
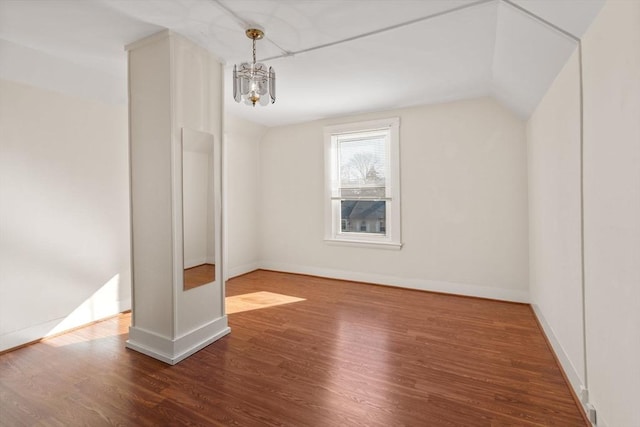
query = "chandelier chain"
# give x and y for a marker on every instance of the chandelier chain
(254, 51)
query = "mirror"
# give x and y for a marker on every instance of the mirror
(198, 216)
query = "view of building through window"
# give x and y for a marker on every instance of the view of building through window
(363, 216)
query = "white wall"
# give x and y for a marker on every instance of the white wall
(608, 365)
(611, 53)
(553, 140)
(242, 192)
(64, 212)
(464, 203)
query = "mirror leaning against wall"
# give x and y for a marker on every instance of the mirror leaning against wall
(198, 209)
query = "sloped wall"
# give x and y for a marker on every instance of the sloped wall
(555, 260)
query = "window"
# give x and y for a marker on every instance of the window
(362, 203)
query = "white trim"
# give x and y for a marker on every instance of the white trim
(480, 291)
(364, 244)
(567, 366)
(160, 35)
(59, 326)
(177, 227)
(130, 188)
(601, 422)
(565, 362)
(224, 187)
(362, 126)
(20, 337)
(239, 270)
(332, 214)
(173, 351)
(194, 262)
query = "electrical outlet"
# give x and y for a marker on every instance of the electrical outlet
(591, 414)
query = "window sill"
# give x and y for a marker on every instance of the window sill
(364, 244)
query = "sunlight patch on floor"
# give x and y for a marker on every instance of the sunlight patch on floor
(93, 333)
(257, 300)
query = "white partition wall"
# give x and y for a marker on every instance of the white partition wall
(593, 322)
(173, 85)
(611, 52)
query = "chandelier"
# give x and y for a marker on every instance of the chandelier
(252, 82)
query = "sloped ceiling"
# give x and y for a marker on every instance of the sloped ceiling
(332, 57)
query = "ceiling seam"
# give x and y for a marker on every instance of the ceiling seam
(382, 30)
(542, 20)
(246, 25)
(493, 91)
(287, 53)
(238, 18)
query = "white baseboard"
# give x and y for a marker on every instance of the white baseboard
(23, 336)
(567, 366)
(512, 295)
(565, 362)
(86, 313)
(194, 262)
(172, 351)
(239, 270)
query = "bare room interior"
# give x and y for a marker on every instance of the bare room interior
(356, 212)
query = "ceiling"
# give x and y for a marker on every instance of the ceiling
(332, 57)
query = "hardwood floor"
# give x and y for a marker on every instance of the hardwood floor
(347, 354)
(198, 276)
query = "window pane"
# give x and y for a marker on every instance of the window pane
(363, 216)
(362, 162)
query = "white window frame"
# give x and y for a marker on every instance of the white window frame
(333, 231)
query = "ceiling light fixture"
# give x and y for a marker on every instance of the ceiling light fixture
(252, 82)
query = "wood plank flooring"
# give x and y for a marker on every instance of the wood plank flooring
(198, 276)
(347, 355)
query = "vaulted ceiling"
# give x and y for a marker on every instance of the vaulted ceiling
(332, 57)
